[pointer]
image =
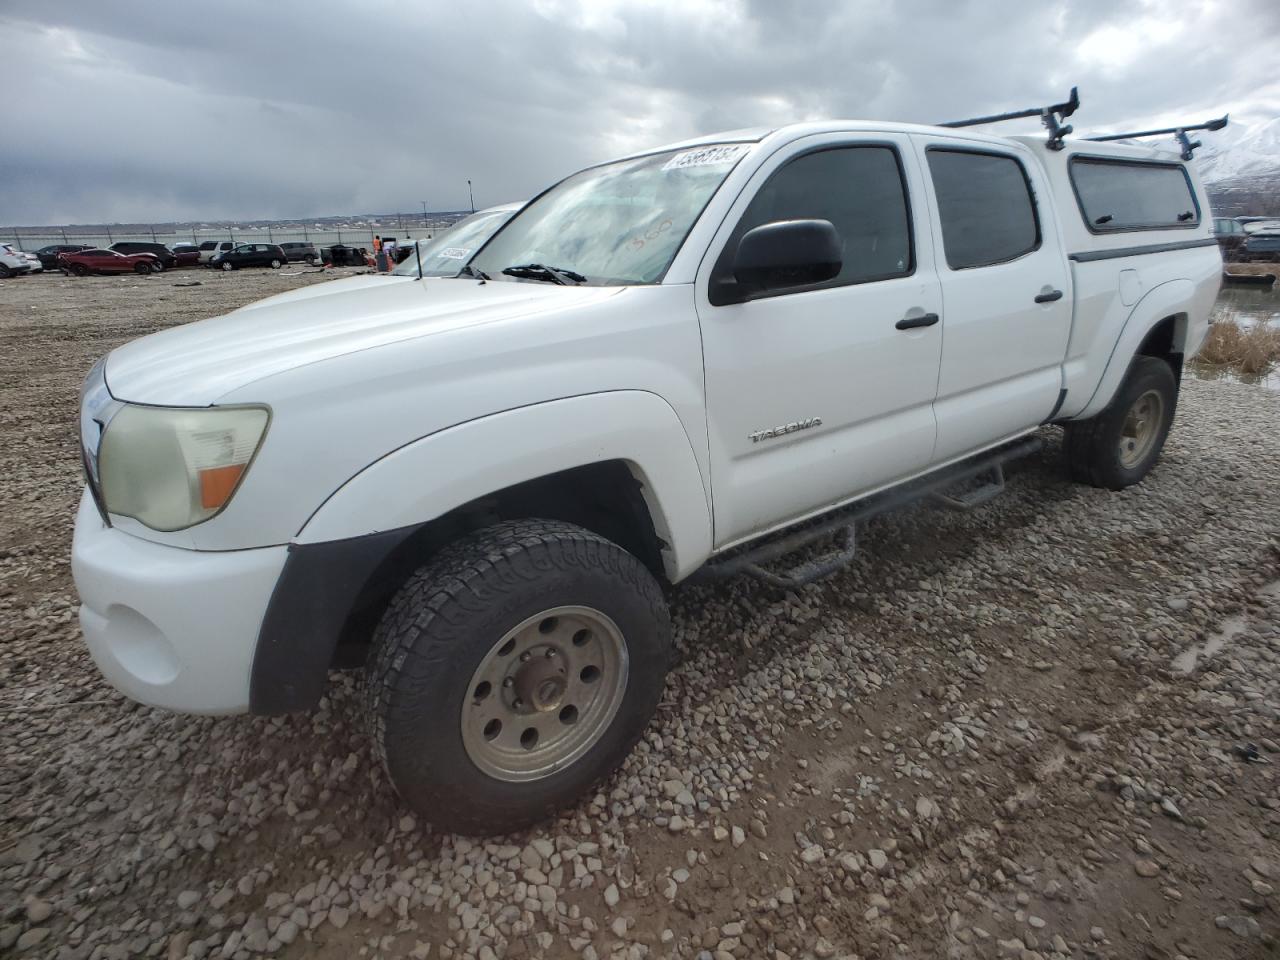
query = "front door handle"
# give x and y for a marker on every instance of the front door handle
(922, 320)
(1049, 296)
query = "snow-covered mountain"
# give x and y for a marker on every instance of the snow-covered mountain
(1240, 167)
(1240, 151)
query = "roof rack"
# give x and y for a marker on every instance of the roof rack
(1051, 116)
(1179, 133)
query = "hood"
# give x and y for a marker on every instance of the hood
(197, 363)
(326, 289)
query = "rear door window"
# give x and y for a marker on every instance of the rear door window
(985, 205)
(1119, 195)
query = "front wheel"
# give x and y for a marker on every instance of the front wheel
(227, 266)
(513, 672)
(5, 272)
(1119, 446)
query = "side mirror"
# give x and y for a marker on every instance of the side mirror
(786, 253)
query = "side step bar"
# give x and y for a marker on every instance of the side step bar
(976, 496)
(842, 522)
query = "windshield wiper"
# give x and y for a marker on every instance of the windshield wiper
(470, 271)
(538, 271)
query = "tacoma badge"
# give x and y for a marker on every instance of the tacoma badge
(786, 428)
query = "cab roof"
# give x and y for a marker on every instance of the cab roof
(1036, 142)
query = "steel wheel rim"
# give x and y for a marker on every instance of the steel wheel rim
(545, 694)
(1140, 428)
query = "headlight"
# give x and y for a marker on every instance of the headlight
(171, 467)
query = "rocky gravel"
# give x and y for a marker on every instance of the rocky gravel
(1044, 729)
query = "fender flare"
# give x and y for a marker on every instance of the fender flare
(1164, 300)
(408, 486)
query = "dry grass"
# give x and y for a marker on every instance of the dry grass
(1254, 269)
(1252, 349)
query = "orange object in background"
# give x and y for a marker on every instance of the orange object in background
(217, 484)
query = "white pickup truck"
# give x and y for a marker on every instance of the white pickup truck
(694, 359)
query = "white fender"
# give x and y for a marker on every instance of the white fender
(1171, 298)
(409, 486)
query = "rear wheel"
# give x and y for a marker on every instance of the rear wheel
(276, 264)
(514, 671)
(1119, 446)
(5, 272)
(79, 269)
(311, 260)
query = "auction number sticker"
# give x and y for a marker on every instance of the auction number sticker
(454, 253)
(722, 155)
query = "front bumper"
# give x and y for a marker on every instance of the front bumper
(170, 627)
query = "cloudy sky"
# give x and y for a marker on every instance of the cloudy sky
(128, 112)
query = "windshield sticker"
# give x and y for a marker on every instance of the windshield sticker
(723, 155)
(454, 253)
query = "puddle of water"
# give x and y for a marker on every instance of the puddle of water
(1186, 661)
(1246, 305)
(1232, 627)
(1209, 371)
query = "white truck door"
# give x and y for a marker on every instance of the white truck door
(1006, 291)
(817, 393)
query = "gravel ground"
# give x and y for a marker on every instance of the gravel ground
(1047, 729)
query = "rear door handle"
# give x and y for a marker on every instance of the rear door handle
(1049, 296)
(923, 320)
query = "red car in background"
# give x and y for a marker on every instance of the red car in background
(84, 262)
(186, 254)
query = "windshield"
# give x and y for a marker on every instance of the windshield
(621, 223)
(445, 254)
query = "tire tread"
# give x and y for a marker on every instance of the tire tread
(421, 626)
(1090, 445)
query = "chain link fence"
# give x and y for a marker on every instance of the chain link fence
(361, 236)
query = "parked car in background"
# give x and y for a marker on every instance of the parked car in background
(340, 255)
(1259, 224)
(186, 254)
(446, 253)
(12, 262)
(211, 248)
(84, 262)
(251, 255)
(301, 250)
(1230, 236)
(162, 253)
(1262, 247)
(49, 255)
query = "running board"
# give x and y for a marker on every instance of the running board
(977, 496)
(842, 522)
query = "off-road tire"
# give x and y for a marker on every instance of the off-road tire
(1093, 446)
(444, 621)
